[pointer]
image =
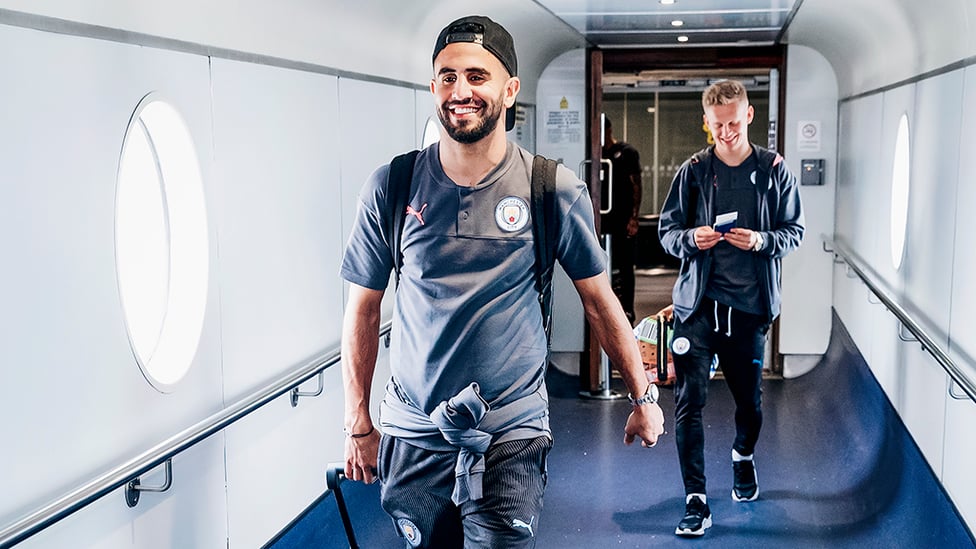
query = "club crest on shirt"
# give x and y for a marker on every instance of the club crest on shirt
(511, 214)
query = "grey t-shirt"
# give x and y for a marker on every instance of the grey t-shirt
(467, 308)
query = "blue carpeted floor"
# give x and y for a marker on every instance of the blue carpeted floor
(836, 468)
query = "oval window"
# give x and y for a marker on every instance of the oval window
(161, 242)
(899, 192)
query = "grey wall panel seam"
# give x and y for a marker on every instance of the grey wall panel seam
(961, 64)
(87, 30)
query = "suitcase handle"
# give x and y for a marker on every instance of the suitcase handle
(662, 348)
(335, 473)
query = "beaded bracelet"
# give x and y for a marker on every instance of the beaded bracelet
(359, 435)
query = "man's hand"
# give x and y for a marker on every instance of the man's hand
(667, 312)
(707, 237)
(615, 334)
(361, 454)
(743, 239)
(646, 422)
(633, 227)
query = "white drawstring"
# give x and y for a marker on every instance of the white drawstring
(716, 315)
(728, 332)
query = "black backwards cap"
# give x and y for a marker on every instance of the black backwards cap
(479, 29)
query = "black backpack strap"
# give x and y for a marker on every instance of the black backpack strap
(545, 230)
(398, 190)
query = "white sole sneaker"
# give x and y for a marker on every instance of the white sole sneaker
(754, 497)
(706, 524)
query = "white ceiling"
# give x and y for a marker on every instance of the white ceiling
(652, 23)
(869, 43)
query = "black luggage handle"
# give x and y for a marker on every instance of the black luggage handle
(335, 473)
(662, 348)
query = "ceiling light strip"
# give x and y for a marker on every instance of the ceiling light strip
(668, 13)
(682, 30)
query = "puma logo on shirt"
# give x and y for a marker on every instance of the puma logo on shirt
(419, 215)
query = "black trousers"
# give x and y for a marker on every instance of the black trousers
(622, 261)
(739, 340)
(416, 487)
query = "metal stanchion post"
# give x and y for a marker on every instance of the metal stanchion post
(603, 391)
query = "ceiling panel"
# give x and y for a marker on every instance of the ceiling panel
(651, 23)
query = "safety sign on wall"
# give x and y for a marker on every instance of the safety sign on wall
(564, 120)
(808, 136)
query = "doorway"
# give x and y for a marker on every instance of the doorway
(661, 117)
(654, 100)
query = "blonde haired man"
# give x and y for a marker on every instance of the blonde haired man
(732, 213)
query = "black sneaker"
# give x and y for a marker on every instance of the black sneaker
(697, 518)
(744, 485)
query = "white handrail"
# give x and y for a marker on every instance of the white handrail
(122, 474)
(856, 265)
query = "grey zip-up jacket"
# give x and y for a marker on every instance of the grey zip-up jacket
(691, 204)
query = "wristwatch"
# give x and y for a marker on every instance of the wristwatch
(759, 242)
(650, 396)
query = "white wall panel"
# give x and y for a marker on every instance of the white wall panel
(857, 184)
(935, 131)
(922, 403)
(276, 143)
(74, 397)
(279, 228)
(962, 336)
(277, 456)
(935, 279)
(859, 174)
(377, 122)
(190, 514)
(850, 302)
(811, 90)
(276, 461)
(960, 445)
(958, 476)
(889, 358)
(866, 144)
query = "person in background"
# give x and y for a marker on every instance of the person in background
(621, 221)
(465, 419)
(732, 213)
